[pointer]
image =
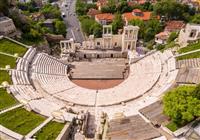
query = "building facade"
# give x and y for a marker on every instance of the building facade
(7, 27)
(190, 33)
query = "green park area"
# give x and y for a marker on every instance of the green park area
(6, 100)
(50, 131)
(7, 60)
(182, 105)
(191, 47)
(10, 47)
(4, 76)
(20, 120)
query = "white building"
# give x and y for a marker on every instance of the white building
(7, 26)
(190, 33)
(109, 45)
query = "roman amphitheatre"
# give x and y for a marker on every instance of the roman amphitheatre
(90, 81)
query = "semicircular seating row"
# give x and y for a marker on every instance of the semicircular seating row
(52, 78)
(165, 82)
(147, 71)
(24, 91)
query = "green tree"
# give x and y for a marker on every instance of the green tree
(172, 37)
(60, 27)
(81, 8)
(51, 11)
(181, 106)
(110, 7)
(97, 30)
(147, 6)
(196, 92)
(86, 24)
(4, 6)
(152, 27)
(196, 19)
(140, 24)
(33, 35)
(123, 7)
(90, 26)
(117, 23)
(172, 9)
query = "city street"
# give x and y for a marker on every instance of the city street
(71, 20)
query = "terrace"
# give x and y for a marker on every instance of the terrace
(6, 100)
(21, 121)
(191, 47)
(10, 47)
(4, 76)
(49, 131)
(7, 60)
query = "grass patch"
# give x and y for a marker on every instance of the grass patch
(21, 120)
(10, 47)
(7, 60)
(172, 126)
(50, 131)
(189, 56)
(6, 100)
(189, 48)
(4, 76)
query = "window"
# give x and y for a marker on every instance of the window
(193, 33)
(98, 43)
(129, 47)
(111, 55)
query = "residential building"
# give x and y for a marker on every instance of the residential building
(7, 26)
(171, 26)
(104, 19)
(162, 38)
(136, 14)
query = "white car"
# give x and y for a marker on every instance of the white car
(63, 15)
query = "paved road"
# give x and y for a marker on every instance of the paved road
(72, 22)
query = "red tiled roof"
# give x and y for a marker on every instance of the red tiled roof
(130, 16)
(174, 25)
(105, 16)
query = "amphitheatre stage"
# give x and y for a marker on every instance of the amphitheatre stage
(100, 69)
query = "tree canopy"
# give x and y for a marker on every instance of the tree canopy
(51, 11)
(172, 9)
(4, 6)
(149, 29)
(90, 26)
(60, 27)
(182, 104)
(117, 23)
